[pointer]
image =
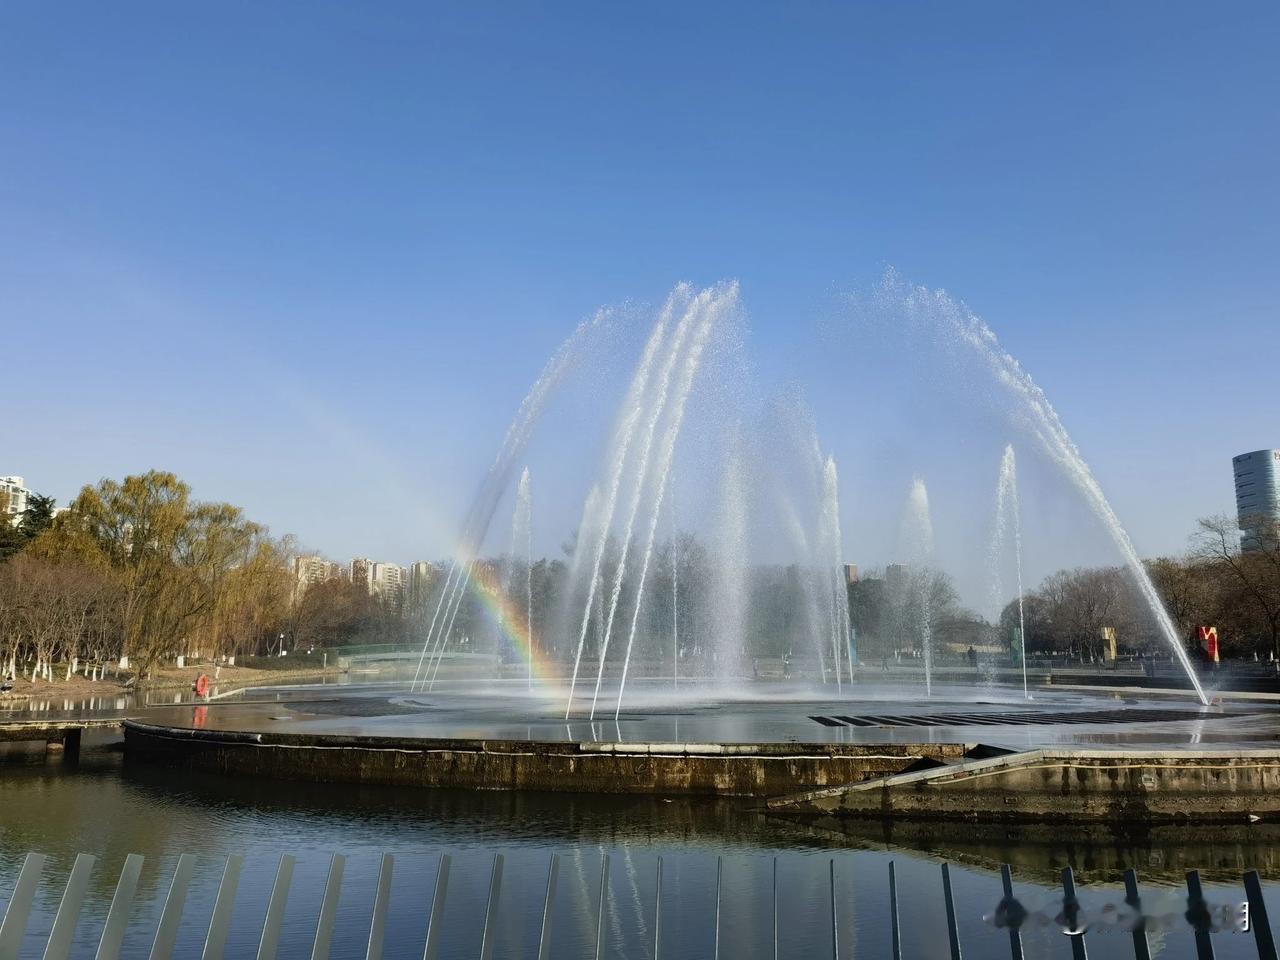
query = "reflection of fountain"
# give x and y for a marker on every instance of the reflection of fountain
(1032, 407)
(1163, 852)
(1009, 518)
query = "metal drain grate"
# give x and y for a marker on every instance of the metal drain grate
(1012, 718)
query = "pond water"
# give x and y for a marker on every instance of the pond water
(109, 807)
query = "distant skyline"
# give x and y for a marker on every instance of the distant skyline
(310, 257)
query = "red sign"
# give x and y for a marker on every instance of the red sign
(1209, 641)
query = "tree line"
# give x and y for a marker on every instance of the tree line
(138, 568)
(1213, 584)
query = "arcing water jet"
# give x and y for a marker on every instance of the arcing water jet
(935, 309)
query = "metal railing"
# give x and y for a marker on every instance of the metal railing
(1009, 914)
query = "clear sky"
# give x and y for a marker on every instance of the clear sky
(310, 256)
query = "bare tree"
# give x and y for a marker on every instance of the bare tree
(1256, 573)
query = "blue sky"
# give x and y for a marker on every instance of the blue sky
(310, 256)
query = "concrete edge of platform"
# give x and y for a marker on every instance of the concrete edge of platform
(1051, 784)
(1170, 692)
(752, 770)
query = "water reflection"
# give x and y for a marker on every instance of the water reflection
(1161, 854)
(110, 807)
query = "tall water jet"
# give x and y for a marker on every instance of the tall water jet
(716, 302)
(675, 593)
(522, 540)
(731, 547)
(633, 407)
(662, 393)
(569, 600)
(485, 503)
(917, 537)
(831, 541)
(795, 466)
(1032, 406)
(805, 549)
(1009, 520)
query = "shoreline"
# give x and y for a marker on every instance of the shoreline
(168, 678)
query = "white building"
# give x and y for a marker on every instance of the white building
(380, 579)
(15, 497)
(314, 569)
(422, 575)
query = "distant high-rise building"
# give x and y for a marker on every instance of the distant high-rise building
(895, 574)
(1257, 496)
(314, 569)
(380, 579)
(850, 573)
(14, 499)
(362, 572)
(422, 575)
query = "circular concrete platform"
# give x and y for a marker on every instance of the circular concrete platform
(764, 741)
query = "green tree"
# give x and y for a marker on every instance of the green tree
(38, 516)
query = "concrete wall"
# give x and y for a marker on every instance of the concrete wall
(1061, 785)
(755, 770)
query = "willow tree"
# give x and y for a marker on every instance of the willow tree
(172, 557)
(252, 599)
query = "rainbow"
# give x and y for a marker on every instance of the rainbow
(511, 619)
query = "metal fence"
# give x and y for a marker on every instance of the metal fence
(1010, 914)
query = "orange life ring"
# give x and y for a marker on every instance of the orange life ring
(202, 686)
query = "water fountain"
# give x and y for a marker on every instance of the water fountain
(784, 479)
(691, 319)
(729, 540)
(715, 303)
(1009, 522)
(1030, 407)
(802, 489)
(492, 487)
(624, 433)
(755, 567)
(522, 541)
(917, 543)
(830, 561)
(675, 592)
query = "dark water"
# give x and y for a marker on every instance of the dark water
(109, 808)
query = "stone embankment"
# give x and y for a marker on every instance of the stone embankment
(713, 769)
(1146, 786)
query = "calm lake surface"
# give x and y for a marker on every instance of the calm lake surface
(108, 807)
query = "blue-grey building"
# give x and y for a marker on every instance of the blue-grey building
(1257, 496)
